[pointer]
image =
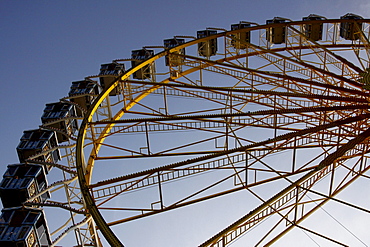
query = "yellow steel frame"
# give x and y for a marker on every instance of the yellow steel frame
(303, 102)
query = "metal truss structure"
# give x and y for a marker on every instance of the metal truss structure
(274, 115)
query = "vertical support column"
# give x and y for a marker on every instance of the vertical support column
(275, 121)
(332, 178)
(294, 154)
(147, 137)
(246, 168)
(160, 191)
(165, 99)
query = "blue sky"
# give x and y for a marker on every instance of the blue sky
(45, 45)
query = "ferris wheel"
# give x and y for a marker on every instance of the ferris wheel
(257, 127)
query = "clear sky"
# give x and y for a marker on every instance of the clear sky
(45, 45)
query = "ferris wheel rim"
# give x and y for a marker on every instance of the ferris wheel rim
(85, 175)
